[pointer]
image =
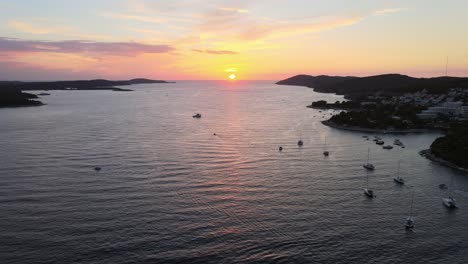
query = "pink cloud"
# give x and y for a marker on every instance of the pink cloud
(216, 52)
(80, 46)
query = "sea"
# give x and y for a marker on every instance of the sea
(177, 189)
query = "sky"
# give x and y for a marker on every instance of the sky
(210, 40)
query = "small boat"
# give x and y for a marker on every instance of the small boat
(379, 142)
(387, 147)
(368, 165)
(398, 179)
(97, 168)
(443, 186)
(44, 94)
(300, 142)
(368, 191)
(280, 148)
(365, 136)
(325, 151)
(397, 142)
(197, 115)
(450, 202)
(409, 223)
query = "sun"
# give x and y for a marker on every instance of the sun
(232, 76)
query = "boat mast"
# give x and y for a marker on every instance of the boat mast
(450, 186)
(412, 199)
(367, 179)
(398, 172)
(368, 153)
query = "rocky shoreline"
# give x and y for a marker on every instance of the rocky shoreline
(427, 153)
(373, 130)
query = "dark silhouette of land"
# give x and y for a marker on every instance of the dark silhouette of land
(11, 94)
(98, 84)
(13, 97)
(387, 84)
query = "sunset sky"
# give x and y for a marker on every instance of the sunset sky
(203, 39)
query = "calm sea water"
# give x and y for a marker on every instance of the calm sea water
(172, 192)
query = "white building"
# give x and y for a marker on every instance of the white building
(445, 109)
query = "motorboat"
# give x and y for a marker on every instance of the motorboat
(449, 202)
(280, 148)
(300, 142)
(197, 115)
(379, 142)
(387, 147)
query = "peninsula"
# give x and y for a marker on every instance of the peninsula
(98, 84)
(12, 95)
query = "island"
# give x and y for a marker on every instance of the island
(13, 97)
(98, 84)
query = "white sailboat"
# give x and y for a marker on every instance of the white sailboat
(368, 165)
(409, 223)
(398, 179)
(450, 202)
(368, 191)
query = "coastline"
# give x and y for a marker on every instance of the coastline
(427, 153)
(375, 130)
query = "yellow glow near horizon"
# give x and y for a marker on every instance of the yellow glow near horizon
(232, 76)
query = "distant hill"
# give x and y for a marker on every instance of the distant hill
(387, 84)
(78, 85)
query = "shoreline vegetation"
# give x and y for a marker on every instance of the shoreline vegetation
(427, 153)
(12, 95)
(452, 148)
(378, 130)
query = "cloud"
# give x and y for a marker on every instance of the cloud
(80, 46)
(216, 52)
(388, 11)
(49, 27)
(233, 9)
(140, 18)
(30, 28)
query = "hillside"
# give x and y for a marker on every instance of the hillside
(387, 84)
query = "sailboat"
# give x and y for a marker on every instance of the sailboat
(368, 165)
(450, 202)
(325, 151)
(398, 178)
(368, 191)
(409, 223)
